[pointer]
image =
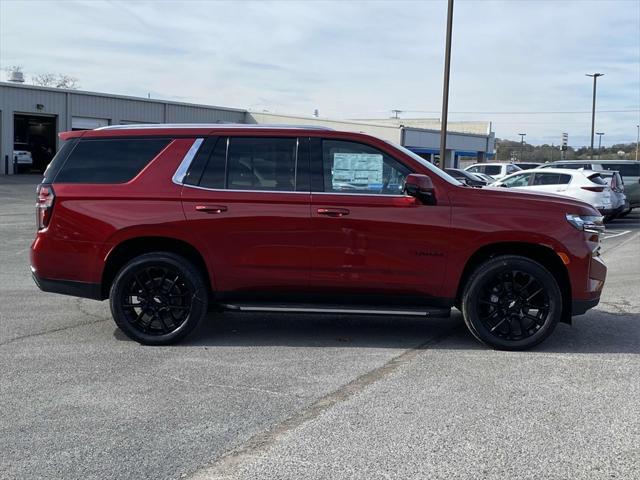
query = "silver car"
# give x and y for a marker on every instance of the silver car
(619, 201)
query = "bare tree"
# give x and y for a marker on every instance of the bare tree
(56, 80)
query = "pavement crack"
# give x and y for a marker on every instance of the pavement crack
(261, 441)
(55, 330)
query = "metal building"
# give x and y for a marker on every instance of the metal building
(31, 118)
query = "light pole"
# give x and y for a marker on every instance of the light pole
(637, 141)
(593, 107)
(522, 135)
(445, 87)
(599, 143)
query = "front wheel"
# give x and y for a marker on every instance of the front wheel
(511, 303)
(158, 298)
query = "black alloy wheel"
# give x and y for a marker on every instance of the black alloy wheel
(158, 298)
(512, 303)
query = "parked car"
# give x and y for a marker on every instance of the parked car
(496, 170)
(167, 221)
(487, 178)
(618, 198)
(629, 171)
(583, 185)
(468, 178)
(527, 165)
(22, 157)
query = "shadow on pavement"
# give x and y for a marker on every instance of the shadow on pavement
(596, 332)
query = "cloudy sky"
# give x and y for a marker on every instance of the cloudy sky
(520, 64)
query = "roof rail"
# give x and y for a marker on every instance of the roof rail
(248, 126)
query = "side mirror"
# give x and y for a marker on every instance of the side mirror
(421, 187)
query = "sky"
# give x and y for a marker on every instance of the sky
(517, 63)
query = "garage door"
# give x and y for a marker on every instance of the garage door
(86, 123)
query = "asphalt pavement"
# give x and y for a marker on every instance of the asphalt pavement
(302, 396)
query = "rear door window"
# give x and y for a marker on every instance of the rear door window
(109, 160)
(261, 164)
(250, 163)
(551, 179)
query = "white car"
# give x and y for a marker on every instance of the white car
(585, 185)
(496, 170)
(22, 156)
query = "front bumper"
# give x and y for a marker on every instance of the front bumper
(580, 307)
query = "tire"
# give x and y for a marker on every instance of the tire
(624, 213)
(511, 303)
(158, 298)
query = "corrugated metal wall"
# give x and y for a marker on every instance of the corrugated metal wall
(65, 104)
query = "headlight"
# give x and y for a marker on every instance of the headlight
(587, 223)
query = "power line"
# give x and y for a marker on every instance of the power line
(527, 113)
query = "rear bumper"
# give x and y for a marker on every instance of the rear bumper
(68, 287)
(607, 211)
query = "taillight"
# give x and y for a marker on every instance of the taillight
(44, 205)
(593, 189)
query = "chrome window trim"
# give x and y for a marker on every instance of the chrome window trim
(178, 176)
(293, 191)
(186, 185)
(385, 195)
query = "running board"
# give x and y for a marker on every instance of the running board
(355, 310)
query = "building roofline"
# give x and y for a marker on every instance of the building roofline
(120, 97)
(365, 123)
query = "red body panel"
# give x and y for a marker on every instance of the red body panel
(274, 241)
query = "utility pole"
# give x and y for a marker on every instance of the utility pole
(564, 144)
(522, 135)
(599, 143)
(637, 141)
(396, 113)
(445, 87)
(593, 107)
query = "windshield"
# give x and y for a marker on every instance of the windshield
(441, 173)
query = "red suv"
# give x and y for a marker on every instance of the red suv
(169, 221)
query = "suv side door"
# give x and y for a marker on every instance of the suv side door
(368, 237)
(521, 180)
(249, 198)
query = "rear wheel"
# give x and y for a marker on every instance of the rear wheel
(624, 213)
(158, 298)
(511, 303)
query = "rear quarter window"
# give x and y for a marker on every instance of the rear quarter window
(58, 160)
(109, 160)
(596, 178)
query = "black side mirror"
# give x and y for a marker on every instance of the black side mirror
(420, 187)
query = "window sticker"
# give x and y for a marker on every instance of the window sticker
(357, 169)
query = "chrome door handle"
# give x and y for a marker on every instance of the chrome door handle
(333, 212)
(211, 208)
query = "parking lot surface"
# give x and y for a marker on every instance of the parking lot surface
(301, 396)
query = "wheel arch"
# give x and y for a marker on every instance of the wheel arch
(539, 253)
(128, 249)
